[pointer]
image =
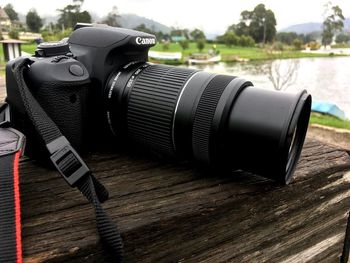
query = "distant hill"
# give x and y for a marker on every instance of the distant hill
(347, 23)
(303, 28)
(126, 20)
(131, 21)
(306, 28)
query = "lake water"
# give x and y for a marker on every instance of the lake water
(327, 79)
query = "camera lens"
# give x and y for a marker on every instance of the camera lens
(219, 121)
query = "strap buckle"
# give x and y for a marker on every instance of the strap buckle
(5, 116)
(67, 161)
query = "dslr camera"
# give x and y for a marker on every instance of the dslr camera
(98, 87)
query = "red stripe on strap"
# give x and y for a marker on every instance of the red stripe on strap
(17, 208)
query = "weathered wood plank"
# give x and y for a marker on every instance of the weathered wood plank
(2, 88)
(170, 213)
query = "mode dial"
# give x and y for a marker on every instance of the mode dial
(49, 49)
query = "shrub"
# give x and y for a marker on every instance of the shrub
(230, 39)
(14, 34)
(56, 35)
(166, 45)
(342, 38)
(297, 44)
(246, 41)
(200, 44)
(278, 46)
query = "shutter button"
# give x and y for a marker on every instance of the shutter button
(76, 70)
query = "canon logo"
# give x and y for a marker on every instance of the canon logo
(145, 41)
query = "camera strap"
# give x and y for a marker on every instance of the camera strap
(68, 162)
(11, 148)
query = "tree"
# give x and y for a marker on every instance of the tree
(184, 44)
(230, 39)
(11, 12)
(197, 34)
(159, 35)
(83, 17)
(263, 24)
(240, 29)
(186, 33)
(143, 28)
(200, 44)
(281, 72)
(333, 23)
(72, 14)
(310, 37)
(286, 37)
(112, 18)
(342, 38)
(260, 24)
(289, 37)
(33, 20)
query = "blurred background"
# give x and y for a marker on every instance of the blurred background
(282, 45)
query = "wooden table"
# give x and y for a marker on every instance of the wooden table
(172, 213)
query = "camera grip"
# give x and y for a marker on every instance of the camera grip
(66, 105)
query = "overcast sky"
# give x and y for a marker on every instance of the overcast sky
(208, 15)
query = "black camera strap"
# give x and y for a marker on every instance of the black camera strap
(11, 148)
(70, 165)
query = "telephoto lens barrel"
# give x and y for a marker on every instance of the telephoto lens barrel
(219, 121)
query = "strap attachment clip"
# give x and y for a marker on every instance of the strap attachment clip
(5, 118)
(67, 161)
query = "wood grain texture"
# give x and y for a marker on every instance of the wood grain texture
(172, 213)
(2, 89)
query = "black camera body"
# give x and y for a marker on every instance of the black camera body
(67, 78)
(98, 85)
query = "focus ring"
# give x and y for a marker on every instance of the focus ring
(151, 106)
(204, 116)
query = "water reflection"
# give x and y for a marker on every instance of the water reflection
(327, 79)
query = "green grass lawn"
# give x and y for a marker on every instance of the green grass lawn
(226, 52)
(2, 61)
(230, 54)
(29, 48)
(327, 120)
(341, 45)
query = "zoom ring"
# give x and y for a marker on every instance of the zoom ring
(204, 117)
(152, 104)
